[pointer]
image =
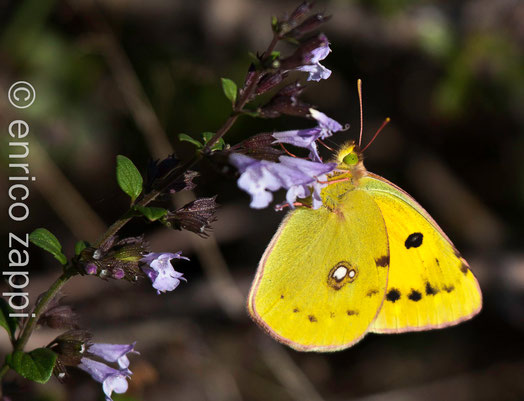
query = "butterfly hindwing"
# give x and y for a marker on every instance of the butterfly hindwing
(319, 284)
(429, 285)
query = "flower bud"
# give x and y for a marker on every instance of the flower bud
(308, 25)
(250, 78)
(114, 259)
(71, 346)
(289, 105)
(269, 81)
(259, 146)
(196, 216)
(300, 11)
(91, 268)
(291, 90)
(59, 317)
(118, 273)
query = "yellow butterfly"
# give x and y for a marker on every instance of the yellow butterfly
(371, 259)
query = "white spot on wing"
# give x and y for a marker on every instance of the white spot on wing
(340, 273)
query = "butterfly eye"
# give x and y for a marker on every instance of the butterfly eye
(350, 159)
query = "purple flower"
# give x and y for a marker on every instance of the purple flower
(307, 58)
(306, 138)
(113, 352)
(261, 177)
(319, 51)
(112, 379)
(160, 271)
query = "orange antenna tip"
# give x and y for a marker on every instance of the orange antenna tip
(386, 121)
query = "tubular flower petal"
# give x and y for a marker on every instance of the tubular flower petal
(112, 379)
(306, 138)
(113, 352)
(160, 271)
(260, 178)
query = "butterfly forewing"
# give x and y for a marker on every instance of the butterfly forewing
(320, 284)
(430, 285)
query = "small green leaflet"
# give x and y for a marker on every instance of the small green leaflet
(151, 213)
(7, 322)
(80, 246)
(48, 242)
(187, 138)
(230, 89)
(128, 177)
(36, 365)
(219, 145)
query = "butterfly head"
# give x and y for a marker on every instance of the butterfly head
(349, 157)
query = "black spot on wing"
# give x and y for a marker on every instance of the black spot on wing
(383, 261)
(464, 268)
(312, 318)
(414, 240)
(371, 293)
(430, 290)
(448, 288)
(415, 295)
(332, 315)
(463, 264)
(296, 310)
(282, 296)
(352, 312)
(438, 263)
(393, 295)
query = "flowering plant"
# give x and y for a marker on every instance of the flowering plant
(262, 168)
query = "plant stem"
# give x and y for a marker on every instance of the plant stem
(39, 308)
(117, 225)
(37, 311)
(239, 105)
(241, 102)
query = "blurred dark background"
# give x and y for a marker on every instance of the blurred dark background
(113, 76)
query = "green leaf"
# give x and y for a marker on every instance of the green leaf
(207, 136)
(7, 322)
(230, 89)
(36, 365)
(128, 177)
(80, 246)
(152, 213)
(219, 145)
(187, 138)
(48, 242)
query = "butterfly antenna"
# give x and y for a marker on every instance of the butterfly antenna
(359, 89)
(326, 146)
(386, 121)
(287, 151)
